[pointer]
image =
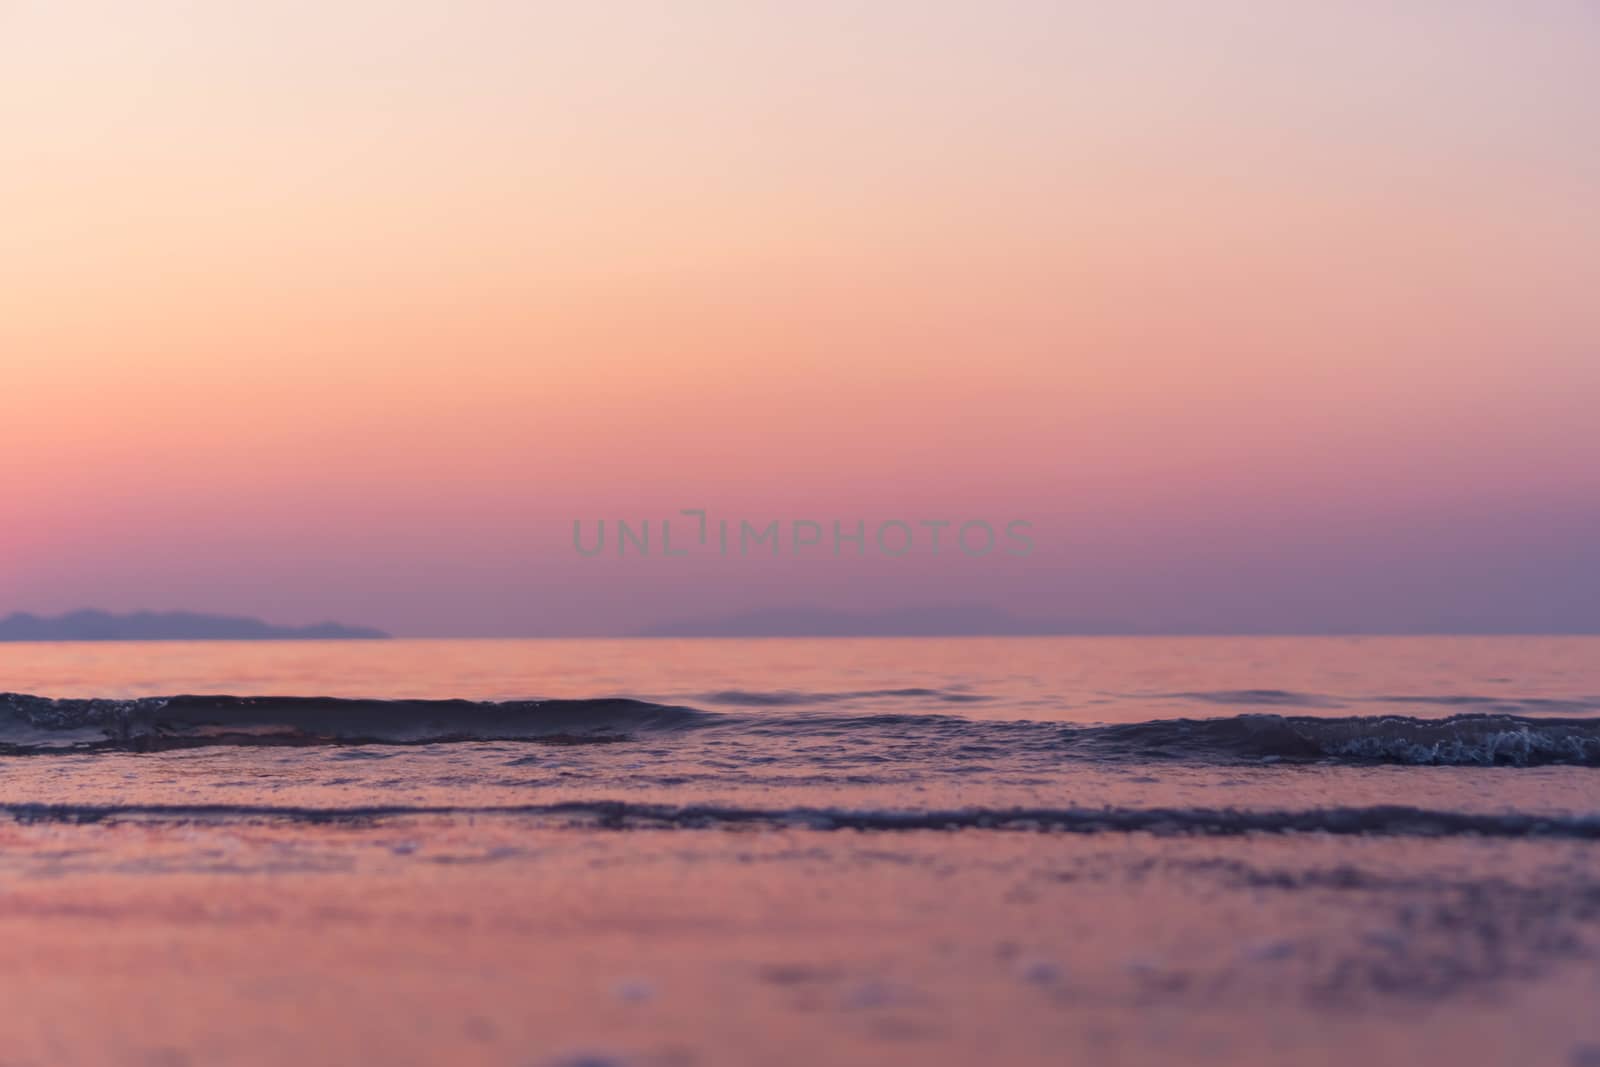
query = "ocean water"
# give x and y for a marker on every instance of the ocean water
(1030, 850)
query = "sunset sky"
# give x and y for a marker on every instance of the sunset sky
(1267, 316)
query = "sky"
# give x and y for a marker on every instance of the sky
(1263, 316)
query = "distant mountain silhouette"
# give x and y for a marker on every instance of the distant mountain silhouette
(165, 626)
(937, 620)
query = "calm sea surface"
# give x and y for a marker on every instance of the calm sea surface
(1065, 679)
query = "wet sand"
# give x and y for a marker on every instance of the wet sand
(515, 941)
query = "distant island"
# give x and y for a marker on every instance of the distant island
(938, 620)
(167, 626)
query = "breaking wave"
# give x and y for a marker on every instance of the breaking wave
(1459, 740)
(31, 724)
(39, 725)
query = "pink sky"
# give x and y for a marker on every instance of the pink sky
(1265, 315)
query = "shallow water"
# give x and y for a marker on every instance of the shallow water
(1030, 850)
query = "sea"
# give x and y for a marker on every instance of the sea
(924, 850)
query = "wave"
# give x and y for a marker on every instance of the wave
(1508, 705)
(1465, 701)
(1459, 740)
(1377, 821)
(799, 698)
(1467, 740)
(1259, 698)
(39, 725)
(31, 724)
